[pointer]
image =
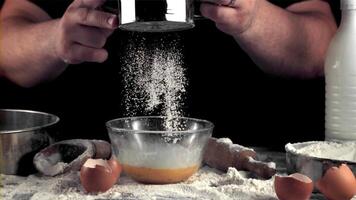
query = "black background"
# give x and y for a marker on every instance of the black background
(225, 87)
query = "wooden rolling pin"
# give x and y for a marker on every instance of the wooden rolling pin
(222, 154)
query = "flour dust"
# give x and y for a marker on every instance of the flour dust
(154, 79)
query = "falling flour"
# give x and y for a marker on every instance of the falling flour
(154, 79)
(205, 184)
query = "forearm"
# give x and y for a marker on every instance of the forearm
(34, 46)
(287, 43)
(27, 51)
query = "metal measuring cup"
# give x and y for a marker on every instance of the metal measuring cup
(158, 15)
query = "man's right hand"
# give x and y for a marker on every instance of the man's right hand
(233, 17)
(82, 32)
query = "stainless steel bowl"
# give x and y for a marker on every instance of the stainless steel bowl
(313, 166)
(22, 134)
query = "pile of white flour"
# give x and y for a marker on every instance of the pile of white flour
(205, 184)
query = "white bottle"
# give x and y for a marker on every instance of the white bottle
(340, 77)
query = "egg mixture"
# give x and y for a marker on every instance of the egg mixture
(161, 163)
(160, 176)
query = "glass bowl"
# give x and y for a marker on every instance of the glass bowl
(159, 150)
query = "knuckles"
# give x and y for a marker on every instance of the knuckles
(230, 21)
(69, 57)
(68, 48)
(102, 18)
(101, 42)
(76, 15)
(66, 52)
(82, 14)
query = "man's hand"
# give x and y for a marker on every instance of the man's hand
(288, 42)
(82, 32)
(36, 48)
(231, 16)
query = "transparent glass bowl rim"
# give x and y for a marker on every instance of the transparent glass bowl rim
(209, 124)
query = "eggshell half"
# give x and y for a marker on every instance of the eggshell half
(338, 183)
(115, 166)
(293, 187)
(98, 175)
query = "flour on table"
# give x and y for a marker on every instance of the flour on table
(205, 184)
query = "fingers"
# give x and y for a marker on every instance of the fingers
(95, 18)
(89, 36)
(84, 12)
(220, 14)
(107, 32)
(83, 31)
(83, 44)
(78, 53)
(233, 19)
(93, 4)
(230, 3)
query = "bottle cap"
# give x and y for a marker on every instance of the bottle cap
(348, 4)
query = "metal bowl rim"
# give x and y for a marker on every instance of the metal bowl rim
(210, 125)
(55, 121)
(290, 152)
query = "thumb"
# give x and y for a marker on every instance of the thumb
(93, 4)
(217, 2)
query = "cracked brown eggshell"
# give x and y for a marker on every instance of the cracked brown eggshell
(293, 187)
(338, 183)
(99, 175)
